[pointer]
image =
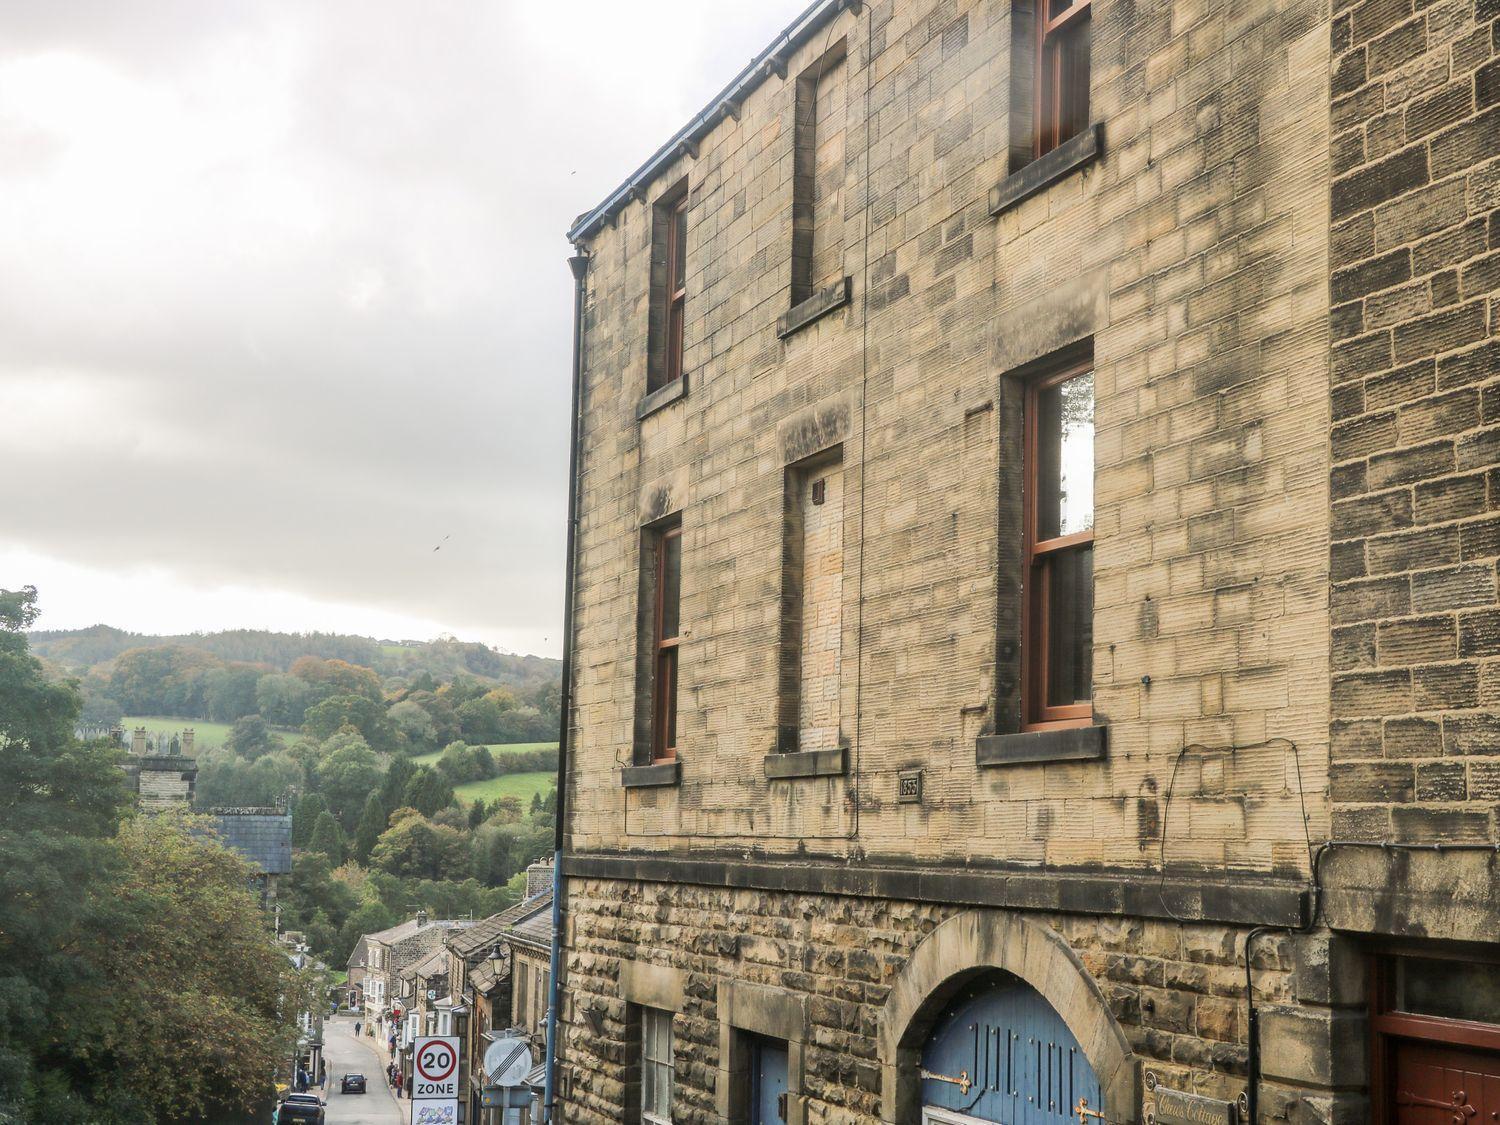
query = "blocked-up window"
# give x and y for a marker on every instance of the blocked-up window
(659, 628)
(818, 175)
(812, 621)
(656, 1066)
(665, 342)
(1058, 636)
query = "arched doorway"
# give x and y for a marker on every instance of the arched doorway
(999, 1053)
(986, 982)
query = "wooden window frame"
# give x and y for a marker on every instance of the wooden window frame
(664, 653)
(675, 292)
(1049, 70)
(1387, 1024)
(1036, 552)
(648, 1062)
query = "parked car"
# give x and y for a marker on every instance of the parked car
(352, 1084)
(296, 1108)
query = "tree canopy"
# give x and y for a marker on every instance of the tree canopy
(116, 933)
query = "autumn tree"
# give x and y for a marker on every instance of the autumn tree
(187, 947)
(347, 773)
(372, 822)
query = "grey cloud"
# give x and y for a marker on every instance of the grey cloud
(346, 330)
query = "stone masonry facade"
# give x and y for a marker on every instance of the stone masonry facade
(1415, 262)
(1277, 250)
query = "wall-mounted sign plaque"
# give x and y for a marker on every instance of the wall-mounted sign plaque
(1174, 1107)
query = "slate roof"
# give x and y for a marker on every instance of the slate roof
(395, 933)
(265, 839)
(479, 938)
(435, 964)
(483, 978)
(359, 956)
(536, 928)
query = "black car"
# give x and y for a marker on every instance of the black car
(352, 1084)
(300, 1108)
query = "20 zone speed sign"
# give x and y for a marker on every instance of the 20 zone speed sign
(435, 1068)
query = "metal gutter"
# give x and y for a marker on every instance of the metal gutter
(726, 103)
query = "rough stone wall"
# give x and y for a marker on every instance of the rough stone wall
(1195, 255)
(1176, 990)
(1415, 271)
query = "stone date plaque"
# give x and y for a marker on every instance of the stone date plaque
(1176, 1107)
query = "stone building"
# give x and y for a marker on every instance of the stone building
(163, 776)
(1035, 621)
(389, 953)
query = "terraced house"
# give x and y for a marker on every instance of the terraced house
(1035, 648)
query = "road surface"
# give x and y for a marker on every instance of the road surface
(347, 1055)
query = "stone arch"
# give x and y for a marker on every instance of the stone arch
(977, 941)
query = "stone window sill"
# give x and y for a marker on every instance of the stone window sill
(819, 305)
(782, 766)
(1073, 154)
(662, 396)
(1061, 744)
(655, 776)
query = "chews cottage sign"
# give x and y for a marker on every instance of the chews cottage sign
(1176, 1107)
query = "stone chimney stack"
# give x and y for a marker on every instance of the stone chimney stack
(538, 877)
(421, 918)
(138, 741)
(187, 743)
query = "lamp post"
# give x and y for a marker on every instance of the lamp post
(497, 959)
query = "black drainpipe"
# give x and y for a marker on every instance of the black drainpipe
(579, 264)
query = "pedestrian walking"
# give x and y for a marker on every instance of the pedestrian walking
(356, 1027)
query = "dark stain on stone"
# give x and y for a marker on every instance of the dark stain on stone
(815, 432)
(659, 504)
(1147, 813)
(1150, 619)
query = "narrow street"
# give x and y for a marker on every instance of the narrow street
(347, 1055)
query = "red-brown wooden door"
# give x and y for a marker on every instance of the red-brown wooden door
(1441, 1085)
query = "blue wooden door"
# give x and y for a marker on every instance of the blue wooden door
(768, 1070)
(999, 1052)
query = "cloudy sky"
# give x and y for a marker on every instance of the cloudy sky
(283, 301)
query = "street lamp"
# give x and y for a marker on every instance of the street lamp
(497, 959)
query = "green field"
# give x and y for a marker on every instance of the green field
(497, 748)
(205, 733)
(522, 785)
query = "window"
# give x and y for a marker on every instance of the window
(1057, 670)
(669, 289)
(541, 977)
(656, 1066)
(523, 971)
(1062, 71)
(818, 175)
(662, 566)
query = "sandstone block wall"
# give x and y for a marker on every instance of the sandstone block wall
(1415, 268)
(1193, 255)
